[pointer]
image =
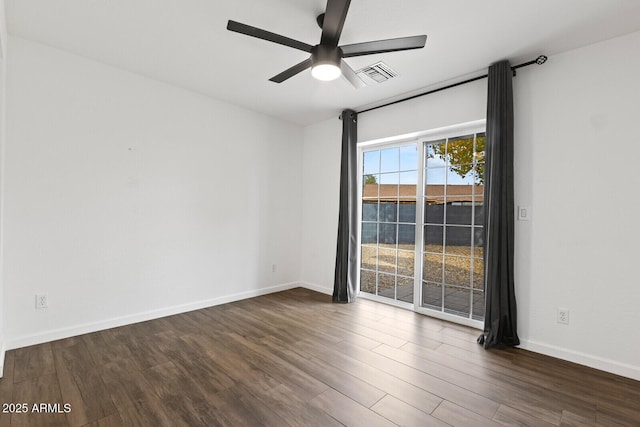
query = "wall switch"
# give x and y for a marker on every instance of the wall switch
(563, 316)
(41, 301)
(524, 213)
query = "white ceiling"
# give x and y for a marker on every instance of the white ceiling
(185, 42)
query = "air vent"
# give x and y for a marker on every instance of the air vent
(378, 72)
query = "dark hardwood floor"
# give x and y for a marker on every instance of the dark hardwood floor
(294, 359)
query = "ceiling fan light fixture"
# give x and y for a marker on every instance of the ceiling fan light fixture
(326, 62)
(326, 72)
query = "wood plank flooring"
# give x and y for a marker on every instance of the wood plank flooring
(295, 359)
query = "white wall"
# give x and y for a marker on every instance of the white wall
(3, 75)
(461, 104)
(577, 166)
(577, 151)
(128, 199)
(321, 184)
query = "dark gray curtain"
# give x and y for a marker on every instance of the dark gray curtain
(500, 322)
(345, 283)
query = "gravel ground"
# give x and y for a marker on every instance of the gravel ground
(458, 265)
(459, 268)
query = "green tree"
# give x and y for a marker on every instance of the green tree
(370, 179)
(461, 157)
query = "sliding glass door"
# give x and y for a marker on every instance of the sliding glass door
(421, 226)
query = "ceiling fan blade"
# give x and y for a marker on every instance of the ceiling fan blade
(351, 76)
(267, 35)
(381, 46)
(334, 18)
(291, 71)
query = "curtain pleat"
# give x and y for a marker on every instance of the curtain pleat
(345, 284)
(500, 323)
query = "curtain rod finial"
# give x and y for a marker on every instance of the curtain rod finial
(541, 59)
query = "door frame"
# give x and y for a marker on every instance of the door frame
(417, 138)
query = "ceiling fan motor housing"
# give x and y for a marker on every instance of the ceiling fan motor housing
(323, 54)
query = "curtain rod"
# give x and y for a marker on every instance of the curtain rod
(539, 60)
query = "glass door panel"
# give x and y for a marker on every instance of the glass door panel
(388, 223)
(453, 230)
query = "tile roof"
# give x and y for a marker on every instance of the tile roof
(434, 193)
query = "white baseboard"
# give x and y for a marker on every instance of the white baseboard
(56, 334)
(313, 287)
(591, 361)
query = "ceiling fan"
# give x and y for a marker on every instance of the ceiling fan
(326, 59)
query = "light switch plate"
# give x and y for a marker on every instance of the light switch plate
(524, 213)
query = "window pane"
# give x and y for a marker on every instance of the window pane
(388, 211)
(480, 147)
(457, 301)
(460, 150)
(387, 260)
(460, 175)
(457, 271)
(434, 213)
(478, 273)
(406, 262)
(458, 241)
(408, 157)
(370, 186)
(459, 214)
(369, 234)
(368, 281)
(435, 176)
(389, 160)
(432, 268)
(432, 295)
(390, 181)
(369, 210)
(433, 238)
(388, 234)
(409, 180)
(369, 256)
(371, 162)
(479, 177)
(435, 153)
(405, 289)
(478, 305)
(387, 285)
(479, 212)
(407, 210)
(407, 236)
(478, 242)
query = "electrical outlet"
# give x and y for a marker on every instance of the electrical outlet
(274, 267)
(563, 316)
(41, 301)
